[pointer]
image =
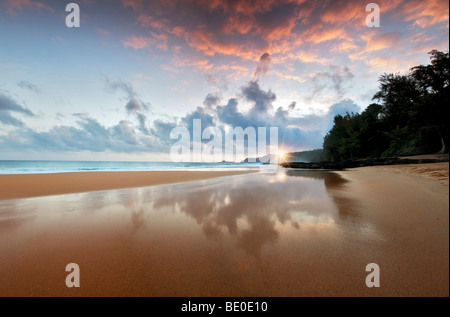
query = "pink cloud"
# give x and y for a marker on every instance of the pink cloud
(178, 31)
(203, 33)
(383, 41)
(239, 6)
(279, 32)
(311, 57)
(203, 64)
(354, 12)
(147, 20)
(137, 42)
(325, 34)
(141, 42)
(343, 11)
(425, 13)
(238, 23)
(209, 44)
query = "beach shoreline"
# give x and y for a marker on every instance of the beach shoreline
(314, 236)
(16, 186)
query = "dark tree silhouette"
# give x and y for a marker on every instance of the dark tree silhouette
(411, 117)
(433, 82)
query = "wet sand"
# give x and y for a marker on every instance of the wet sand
(296, 233)
(33, 185)
(410, 204)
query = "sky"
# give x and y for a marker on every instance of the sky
(115, 87)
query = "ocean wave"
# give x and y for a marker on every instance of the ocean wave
(41, 167)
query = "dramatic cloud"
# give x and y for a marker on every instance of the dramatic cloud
(212, 99)
(162, 129)
(8, 106)
(318, 56)
(125, 132)
(161, 132)
(335, 79)
(89, 135)
(142, 123)
(262, 101)
(119, 85)
(273, 32)
(263, 66)
(344, 11)
(229, 114)
(294, 133)
(207, 120)
(125, 136)
(425, 13)
(134, 105)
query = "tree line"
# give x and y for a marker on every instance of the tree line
(410, 116)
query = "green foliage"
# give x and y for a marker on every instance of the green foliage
(305, 156)
(410, 118)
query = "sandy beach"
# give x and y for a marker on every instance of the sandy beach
(411, 205)
(433, 171)
(33, 185)
(295, 233)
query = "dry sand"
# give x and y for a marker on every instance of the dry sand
(436, 171)
(33, 185)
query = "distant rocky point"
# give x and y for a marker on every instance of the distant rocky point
(339, 165)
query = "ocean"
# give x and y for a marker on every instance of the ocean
(39, 167)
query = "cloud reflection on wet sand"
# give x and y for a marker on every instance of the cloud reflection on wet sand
(249, 235)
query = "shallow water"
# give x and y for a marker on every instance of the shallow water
(288, 234)
(38, 167)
